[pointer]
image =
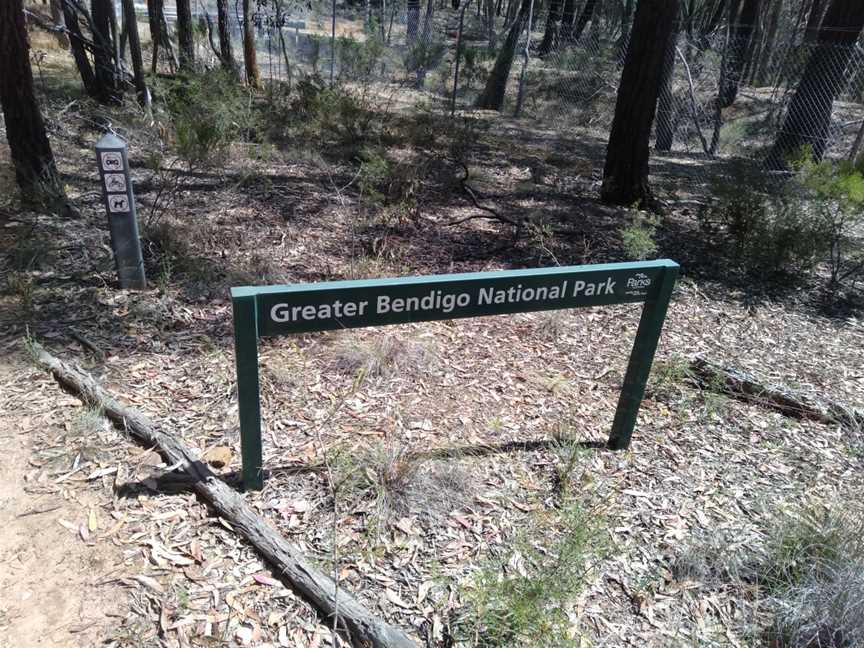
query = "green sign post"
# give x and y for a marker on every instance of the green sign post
(282, 310)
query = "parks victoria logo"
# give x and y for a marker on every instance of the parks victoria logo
(637, 284)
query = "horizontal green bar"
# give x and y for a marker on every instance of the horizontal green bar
(352, 304)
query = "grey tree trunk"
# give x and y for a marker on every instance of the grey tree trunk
(131, 23)
(107, 90)
(185, 35)
(226, 55)
(625, 174)
(667, 113)
(808, 121)
(25, 130)
(76, 40)
(492, 97)
(743, 15)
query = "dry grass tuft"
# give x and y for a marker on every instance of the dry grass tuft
(380, 356)
(437, 488)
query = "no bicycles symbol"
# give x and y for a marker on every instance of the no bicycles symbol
(283, 310)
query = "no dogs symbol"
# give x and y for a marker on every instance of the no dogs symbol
(118, 204)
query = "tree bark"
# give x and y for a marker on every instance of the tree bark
(250, 59)
(743, 15)
(667, 118)
(352, 618)
(185, 35)
(625, 174)
(553, 29)
(226, 54)
(154, 17)
(131, 22)
(85, 69)
(808, 121)
(584, 18)
(107, 90)
(25, 130)
(492, 97)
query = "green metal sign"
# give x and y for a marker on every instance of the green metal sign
(282, 310)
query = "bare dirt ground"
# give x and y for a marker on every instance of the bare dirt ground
(53, 571)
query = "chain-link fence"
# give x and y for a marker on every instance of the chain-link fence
(726, 91)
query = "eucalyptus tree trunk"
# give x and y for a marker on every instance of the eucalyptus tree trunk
(25, 130)
(492, 97)
(553, 29)
(131, 24)
(667, 117)
(585, 17)
(250, 58)
(625, 173)
(185, 35)
(808, 121)
(79, 54)
(226, 55)
(104, 52)
(743, 15)
(154, 18)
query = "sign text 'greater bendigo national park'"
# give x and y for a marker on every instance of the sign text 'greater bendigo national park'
(282, 310)
(353, 304)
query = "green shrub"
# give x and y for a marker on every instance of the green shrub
(638, 237)
(814, 217)
(833, 192)
(763, 225)
(522, 598)
(208, 112)
(317, 112)
(358, 59)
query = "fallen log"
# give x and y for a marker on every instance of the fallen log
(743, 386)
(353, 620)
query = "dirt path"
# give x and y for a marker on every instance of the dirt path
(50, 578)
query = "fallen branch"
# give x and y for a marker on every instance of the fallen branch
(743, 386)
(354, 621)
(468, 190)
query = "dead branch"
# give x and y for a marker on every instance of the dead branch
(489, 210)
(355, 622)
(743, 386)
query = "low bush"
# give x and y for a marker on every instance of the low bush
(358, 60)
(328, 116)
(814, 217)
(638, 237)
(522, 598)
(207, 113)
